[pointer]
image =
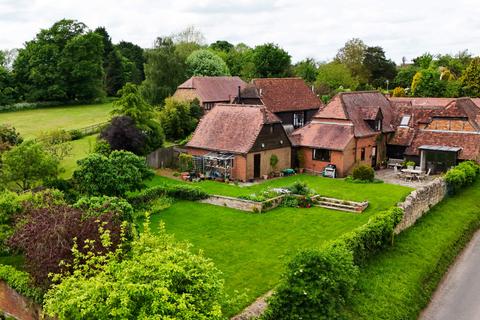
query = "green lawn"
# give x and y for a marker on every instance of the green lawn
(31, 122)
(398, 283)
(80, 149)
(380, 195)
(251, 249)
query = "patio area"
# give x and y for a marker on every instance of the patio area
(389, 176)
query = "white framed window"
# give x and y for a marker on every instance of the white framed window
(298, 119)
(405, 120)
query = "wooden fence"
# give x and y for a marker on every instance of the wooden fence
(164, 157)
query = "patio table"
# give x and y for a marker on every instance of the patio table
(413, 172)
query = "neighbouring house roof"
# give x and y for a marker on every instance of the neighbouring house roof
(250, 92)
(231, 128)
(358, 107)
(285, 94)
(320, 135)
(214, 89)
(468, 142)
(425, 112)
(420, 102)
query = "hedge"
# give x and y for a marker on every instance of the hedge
(183, 192)
(376, 234)
(318, 283)
(20, 281)
(461, 175)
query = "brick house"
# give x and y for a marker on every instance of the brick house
(352, 129)
(436, 133)
(290, 99)
(209, 90)
(237, 142)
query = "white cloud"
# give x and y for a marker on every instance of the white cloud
(305, 28)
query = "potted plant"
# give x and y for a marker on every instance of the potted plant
(410, 165)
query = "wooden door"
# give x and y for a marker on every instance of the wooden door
(256, 165)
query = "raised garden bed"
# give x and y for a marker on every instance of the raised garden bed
(341, 205)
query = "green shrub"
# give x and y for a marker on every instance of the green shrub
(363, 172)
(185, 162)
(300, 188)
(20, 281)
(376, 234)
(260, 197)
(290, 201)
(183, 192)
(273, 161)
(10, 204)
(76, 134)
(471, 170)
(316, 285)
(410, 164)
(455, 179)
(96, 206)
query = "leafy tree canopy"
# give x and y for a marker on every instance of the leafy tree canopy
(112, 175)
(178, 118)
(206, 63)
(332, 76)
(307, 70)
(28, 164)
(271, 61)
(352, 55)
(470, 80)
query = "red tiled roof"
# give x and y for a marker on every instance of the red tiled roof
(469, 142)
(231, 128)
(421, 102)
(286, 94)
(403, 136)
(358, 107)
(214, 89)
(323, 136)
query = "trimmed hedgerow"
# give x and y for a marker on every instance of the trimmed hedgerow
(318, 283)
(463, 174)
(376, 234)
(183, 192)
(20, 281)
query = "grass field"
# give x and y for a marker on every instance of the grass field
(398, 283)
(80, 149)
(251, 249)
(30, 123)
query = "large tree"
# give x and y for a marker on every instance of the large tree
(28, 164)
(332, 76)
(63, 62)
(135, 54)
(470, 80)
(206, 63)
(165, 69)
(132, 104)
(123, 134)
(271, 61)
(379, 67)
(427, 83)
(177, 119)
(306, 69)
(352, 55)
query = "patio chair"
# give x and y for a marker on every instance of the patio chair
(424, 176)
(397, 172)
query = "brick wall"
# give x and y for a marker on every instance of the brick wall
(14, 305)
(419, 202)
(284, 161)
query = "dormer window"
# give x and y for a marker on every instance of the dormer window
(378, 125)
(405, 120)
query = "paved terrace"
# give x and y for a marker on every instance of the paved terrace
(389, 176)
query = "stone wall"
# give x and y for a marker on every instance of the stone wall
(14, 305)
(419, 202)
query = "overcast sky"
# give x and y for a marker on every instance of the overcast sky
(305, 28)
